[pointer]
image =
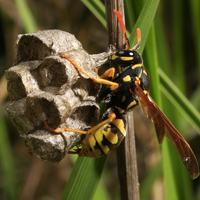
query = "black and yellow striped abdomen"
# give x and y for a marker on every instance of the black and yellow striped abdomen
(105, 139)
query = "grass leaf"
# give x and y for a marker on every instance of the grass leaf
(26, 16)
(7, 162)
(84, 178)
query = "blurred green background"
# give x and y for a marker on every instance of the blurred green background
(177, 32)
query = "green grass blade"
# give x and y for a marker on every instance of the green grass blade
(26, 16)
(171, 190)
(195, 99)
(130, 18)
(144, 23)
(84, 178)
(151, 52)
(7, 163)
(152, 63)
(177, 180)
(195, 10)
(178, 48)
(97, 8)
(101, 192)
(180, 101)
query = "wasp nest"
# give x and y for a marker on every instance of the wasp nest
(42, 85)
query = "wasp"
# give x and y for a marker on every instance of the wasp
(127, 90)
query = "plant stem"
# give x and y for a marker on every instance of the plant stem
(126, 152)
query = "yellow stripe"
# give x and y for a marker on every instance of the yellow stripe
(127, 78)
(119, 123)
(137, 65)
(86, 149)
(145, 72)
(92, 143)
(99, 137)
(105, 149)
(126, 58)
(111, 137)
(133, 103)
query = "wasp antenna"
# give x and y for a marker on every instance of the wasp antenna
(119, 17)
(137, 46)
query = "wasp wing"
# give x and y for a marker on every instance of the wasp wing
(150, 111)
(161, 122)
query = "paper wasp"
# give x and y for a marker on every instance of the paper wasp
(127, 90)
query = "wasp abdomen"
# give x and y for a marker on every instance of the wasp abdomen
(106, 139)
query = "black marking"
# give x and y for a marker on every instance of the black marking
(97, 146)
(106, 142)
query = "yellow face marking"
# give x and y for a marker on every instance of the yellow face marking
(127, 78)
(123, 98)
(113, 57)
(126, 58)
(120, 125)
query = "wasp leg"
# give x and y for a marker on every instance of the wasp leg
(97, 80)
(62, 130)
(109, 73)
(91, 131)
(111, 117)
(94, 129)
